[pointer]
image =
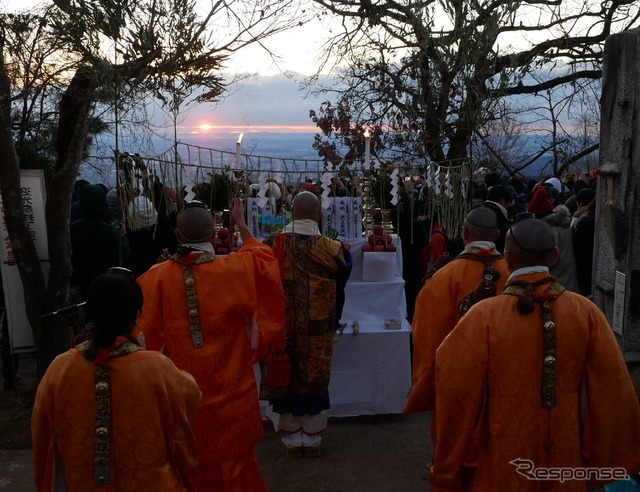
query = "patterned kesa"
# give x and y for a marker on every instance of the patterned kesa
(310, 267)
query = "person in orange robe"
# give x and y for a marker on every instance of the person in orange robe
(110, 416)
(533, 392)
(436, 311)
(214, 316)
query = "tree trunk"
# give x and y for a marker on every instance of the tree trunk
(75, 108)
(24, 249)
(53, 336)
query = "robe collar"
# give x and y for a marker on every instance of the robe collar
(205, 247)
(527, 270)
(306, 227)
(475, 245)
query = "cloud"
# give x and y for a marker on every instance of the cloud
(259, 101)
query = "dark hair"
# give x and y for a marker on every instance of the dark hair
(480, 193)
(584, 196)
(492, 179)
(517, 183)
(113, 302)
(499, 192)
(581, 184)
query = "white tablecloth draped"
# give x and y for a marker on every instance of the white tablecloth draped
(370, 372)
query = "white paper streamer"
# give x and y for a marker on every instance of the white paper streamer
(190, 178)
(395, 186)
(436, 181)
(376, 164)
(429, 177)
(262, 194)
(448, 190)
(326, 187)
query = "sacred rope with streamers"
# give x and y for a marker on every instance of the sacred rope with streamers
(214, 173)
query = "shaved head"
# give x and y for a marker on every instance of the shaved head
(305, 206)
(530, 242)
(195, 223)
(481, 224)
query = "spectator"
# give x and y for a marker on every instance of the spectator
(583, 199)
(96, 244)
(564, 267)
(583, 238)
(540, 205)
(498, 200)
(479, 196)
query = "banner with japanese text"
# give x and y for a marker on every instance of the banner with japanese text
(32, 189)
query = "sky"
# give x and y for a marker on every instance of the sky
(260, 103)
(269, 100)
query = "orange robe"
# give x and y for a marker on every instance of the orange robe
(230, 291)
(153, 405)
(488, 381)
(436, 313)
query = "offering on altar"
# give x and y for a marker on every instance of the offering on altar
(392, 324)
(220, 242)
(379, 242)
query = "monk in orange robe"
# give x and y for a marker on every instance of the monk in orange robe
(532, 390)
(213, 316)
(436, 311)
(110, 416)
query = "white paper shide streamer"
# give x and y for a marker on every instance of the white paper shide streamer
(190, 181)
(429, 177)
(326, 186)
(436, 181)
(262, 194)
(448, 190)
(395, 187)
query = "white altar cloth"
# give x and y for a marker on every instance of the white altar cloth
(370, 372)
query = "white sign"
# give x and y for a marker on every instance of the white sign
(618, 303)
(33, 198)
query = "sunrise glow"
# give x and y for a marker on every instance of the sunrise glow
(205, 126)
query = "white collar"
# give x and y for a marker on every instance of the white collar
(480, 245)
(306, 227)
(526, 270)
(207, 246)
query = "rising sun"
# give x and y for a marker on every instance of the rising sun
(205, 126)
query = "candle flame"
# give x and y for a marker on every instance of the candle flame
(366, 134)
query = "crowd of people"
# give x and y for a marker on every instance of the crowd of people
(515, 363)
